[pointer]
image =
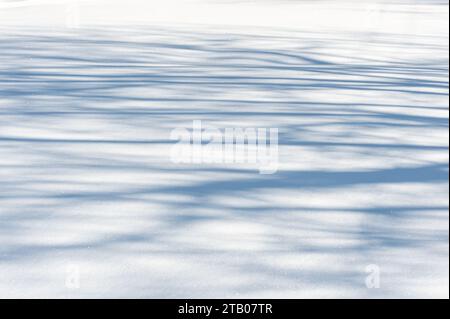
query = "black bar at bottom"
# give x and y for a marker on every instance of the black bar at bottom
(223, 308)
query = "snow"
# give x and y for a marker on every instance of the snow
(358, 91)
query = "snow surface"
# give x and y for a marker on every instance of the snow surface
(358, 90)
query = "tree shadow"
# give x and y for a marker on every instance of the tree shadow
(86, 175)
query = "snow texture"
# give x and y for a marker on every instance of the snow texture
(358, 90)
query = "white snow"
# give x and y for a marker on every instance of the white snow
(358, 90)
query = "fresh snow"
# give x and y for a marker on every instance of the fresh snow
(91, 205)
